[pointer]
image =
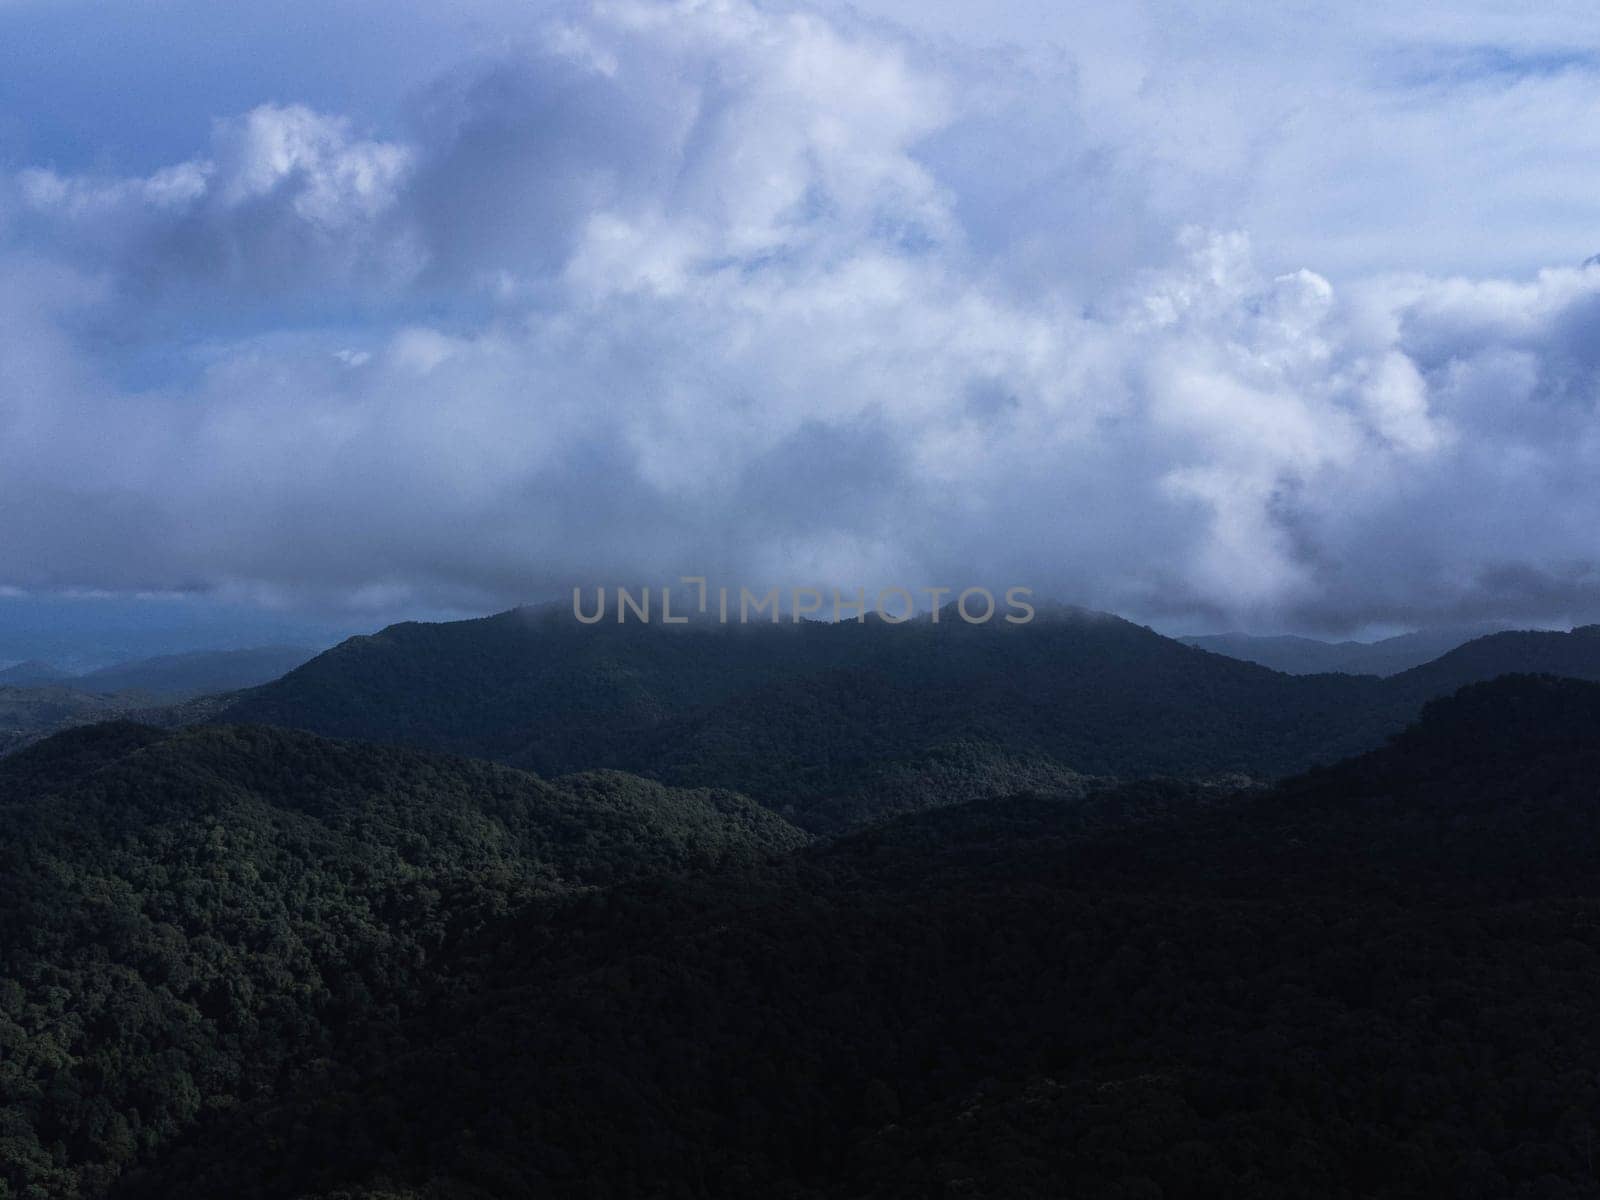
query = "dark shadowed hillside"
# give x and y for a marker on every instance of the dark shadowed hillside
(1373, 981)
(833, 724)
(829, 723)
(1575, 654)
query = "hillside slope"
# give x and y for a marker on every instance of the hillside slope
(1375, 980)
(830, 724)
(1575, 655)
(29, 714)
(184, 676)
(187, 917)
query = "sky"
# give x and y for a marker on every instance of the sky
(1217, 316)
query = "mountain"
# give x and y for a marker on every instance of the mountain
(84, 632)
(829, 724)
(834, 724)
(1309, 656)
(188, 918)
(32, 674)
(169, 691)
(1575, 654)
(28, 714)
(183, 676)
(1373, 980)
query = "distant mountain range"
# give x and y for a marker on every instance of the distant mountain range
(168, 677)
(1310, 656)
(832, 724)
(182, 676)
(28, 714)
(32, 674)
(37, 699)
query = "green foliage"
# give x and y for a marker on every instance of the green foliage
(1376, 980)
(248, 962)
(831, 724)
(30, 714)
(186, 918)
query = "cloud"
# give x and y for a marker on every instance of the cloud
(711, 288)
(286, 199)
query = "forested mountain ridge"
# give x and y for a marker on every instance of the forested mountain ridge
(1575, 655)
(828, 723)
(28, 714)
(169, 691)
(243, 959)
(188, 918)
(832, 724)
(1370, 981)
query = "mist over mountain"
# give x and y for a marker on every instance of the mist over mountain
(1311, 656)
(32, 674)
(167, 691)
(183, 676)
(78, 634)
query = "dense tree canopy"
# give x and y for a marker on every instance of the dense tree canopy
(830, 724)
(835, 724)
(248, 962)
(185, 918)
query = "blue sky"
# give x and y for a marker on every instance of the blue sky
(1216, 316)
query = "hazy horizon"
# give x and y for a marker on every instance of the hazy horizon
(85, 633)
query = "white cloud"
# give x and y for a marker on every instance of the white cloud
(330, 180)
(286, 198)
(705, 287)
